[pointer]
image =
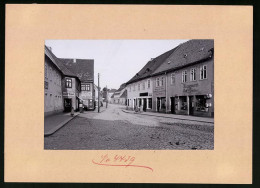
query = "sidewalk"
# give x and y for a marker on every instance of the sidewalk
(173, 116)
(54, 122)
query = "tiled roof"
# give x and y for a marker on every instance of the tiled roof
(124, 94)
(151, 66)
(83, 68)
(187, 53)
(58, 63)
(122, 86)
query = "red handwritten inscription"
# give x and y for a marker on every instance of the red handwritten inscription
(119, 160)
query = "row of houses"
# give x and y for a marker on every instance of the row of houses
(180, 81)
(67, 83)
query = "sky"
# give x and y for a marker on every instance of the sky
(117, 61)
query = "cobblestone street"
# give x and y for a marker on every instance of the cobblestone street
(114, 129)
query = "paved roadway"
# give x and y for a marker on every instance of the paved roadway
(114, 129)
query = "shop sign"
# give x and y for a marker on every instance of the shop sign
(190, 88)
(68, 94)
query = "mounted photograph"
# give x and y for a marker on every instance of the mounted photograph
(129, 94)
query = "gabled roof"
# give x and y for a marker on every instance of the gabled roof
(151, 66)
(122, 86)
(111, 90)
(83, 68)
(187, 53)
(124, 94)
(57, 62)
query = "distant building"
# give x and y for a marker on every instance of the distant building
(110, 95)
(120, 95)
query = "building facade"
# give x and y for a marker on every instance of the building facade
(139, 94)
(53, 101)
(141, 88)
(189, 79)
(84, 70)
(120, 95)
(182, 81)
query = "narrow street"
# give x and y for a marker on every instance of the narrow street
(113, 129)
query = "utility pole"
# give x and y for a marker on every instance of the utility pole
(98, 92)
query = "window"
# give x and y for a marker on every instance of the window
(83, 87)
(184, 76)
(149, 83)
(172, 78)
(183, 102)
(143, 85)
(161, 81)
(68, 83)
(203, 72)
(134, 87)
(87, 87)
(157, 82)
(46, 71)
(193, 74)
(201, 103)
(138, 87)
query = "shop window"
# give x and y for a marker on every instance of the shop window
(157, 82)
(148, 83)
(193, 74)
(150, 103)
(184, 76)
(203, 72)
(201, 103)
(68, 83)
(172, 78)
(183, 103)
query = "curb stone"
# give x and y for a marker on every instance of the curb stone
(60, 125)
(168, 117)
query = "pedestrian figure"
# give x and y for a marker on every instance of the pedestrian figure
(72, 111)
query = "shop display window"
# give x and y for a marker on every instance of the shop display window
(201, 103)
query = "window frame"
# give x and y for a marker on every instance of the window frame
(148, 83)
(157, 81)
(68, 83)
(184, 75)
(172, 78)
(87, 87)
(203, 72)
(193, 74)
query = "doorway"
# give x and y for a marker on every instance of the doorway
(67, 105)
(173, 105)
(145, 105)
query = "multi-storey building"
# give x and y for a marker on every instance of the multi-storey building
(185, 81)
(140, 87)
(61, 85)
(84, 69)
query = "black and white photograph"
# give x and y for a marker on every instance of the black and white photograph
(129, 94)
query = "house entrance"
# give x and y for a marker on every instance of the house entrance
(67, 105)
(172, 105)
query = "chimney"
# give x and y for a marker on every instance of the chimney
(74, 60)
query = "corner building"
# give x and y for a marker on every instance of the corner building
(189, 80)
